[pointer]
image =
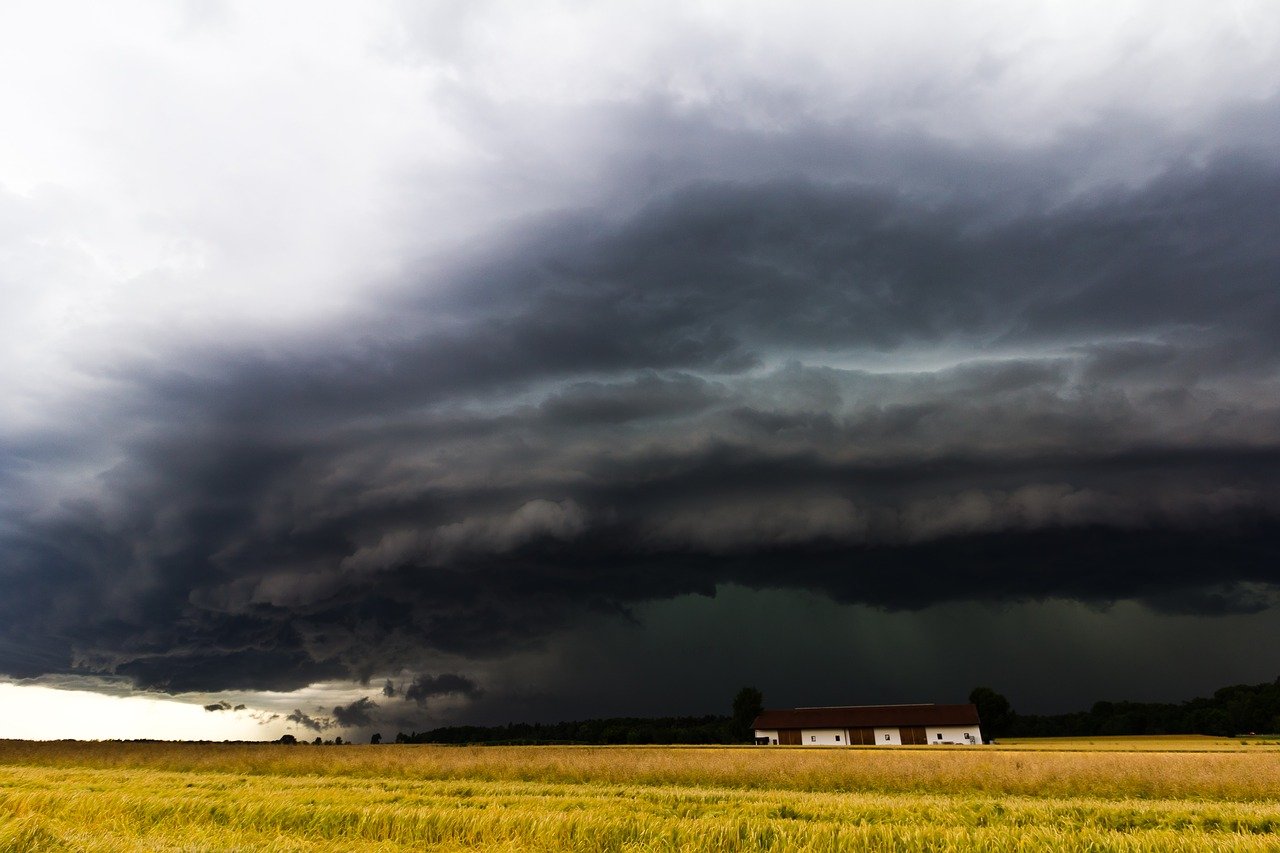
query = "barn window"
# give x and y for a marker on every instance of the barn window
(939, 735)
(837, 738)
(813, 738)
(886, 737)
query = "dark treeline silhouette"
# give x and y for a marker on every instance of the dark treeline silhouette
(613, 730)
(712, 728)
(1230, 711)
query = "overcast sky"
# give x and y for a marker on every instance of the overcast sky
(377, 366)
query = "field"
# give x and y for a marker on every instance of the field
(1109, 794)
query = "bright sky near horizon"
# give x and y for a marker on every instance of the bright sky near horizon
(44, 713)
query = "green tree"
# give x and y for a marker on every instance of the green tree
(747, 705)
(994, 711)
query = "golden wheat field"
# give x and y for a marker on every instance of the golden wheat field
(1194, 795)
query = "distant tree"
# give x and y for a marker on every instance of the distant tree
(338, 741)
(318, 741)
(376, 739)
(288, 740)
(747, 705)
(994, 711)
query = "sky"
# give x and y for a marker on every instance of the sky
(379, 366)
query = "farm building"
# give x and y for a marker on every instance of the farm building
(866, 725)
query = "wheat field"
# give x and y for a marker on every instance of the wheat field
(114, 796)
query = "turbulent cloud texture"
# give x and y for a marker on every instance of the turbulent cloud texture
(356, 715)
(898, 365)
(224, 705)
(307, 721)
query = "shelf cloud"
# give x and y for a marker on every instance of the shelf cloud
(691, 326)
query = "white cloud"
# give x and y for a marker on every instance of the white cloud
(165, 182)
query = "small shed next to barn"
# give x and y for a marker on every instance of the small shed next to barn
(867, 725)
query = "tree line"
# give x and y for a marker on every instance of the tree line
(735, 728)
(1231, 711)
(636, 730)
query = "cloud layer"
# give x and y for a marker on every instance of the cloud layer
(977, 350)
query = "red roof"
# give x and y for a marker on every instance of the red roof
(857, 716)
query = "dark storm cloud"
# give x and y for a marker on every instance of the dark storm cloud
(223, 705)
(358, 713)
(585, 404)
(833, 387)
(424, 687)
(307, 721)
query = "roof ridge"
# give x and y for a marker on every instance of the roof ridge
(850, 707)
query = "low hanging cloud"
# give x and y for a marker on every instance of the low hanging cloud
(356, 714)
(451, 542)
(425, 687)
(224, 705)
(316, 724)
(805, 351)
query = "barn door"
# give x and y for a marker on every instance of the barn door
(912, 735)
(862, 737)
(788, 737)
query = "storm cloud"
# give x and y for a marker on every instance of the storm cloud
(307, 721)
(224, 705)
(894, 368)
(697, 396)
(356, 715)
(424, 687)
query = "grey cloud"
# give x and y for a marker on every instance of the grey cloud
(223, 705)
(424, 687)
(649, 396)
(778, 384)
(307, 721)
(483, 535)
(356, 714)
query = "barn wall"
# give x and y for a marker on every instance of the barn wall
(888, 737)
(954, 734)
(822, 737)
(827, 737)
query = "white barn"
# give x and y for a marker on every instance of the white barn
(868, 725)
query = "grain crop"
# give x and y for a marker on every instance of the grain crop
(147, 796)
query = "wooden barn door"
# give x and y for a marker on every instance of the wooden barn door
(862, 737)
(912, 735)
(788, 737)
